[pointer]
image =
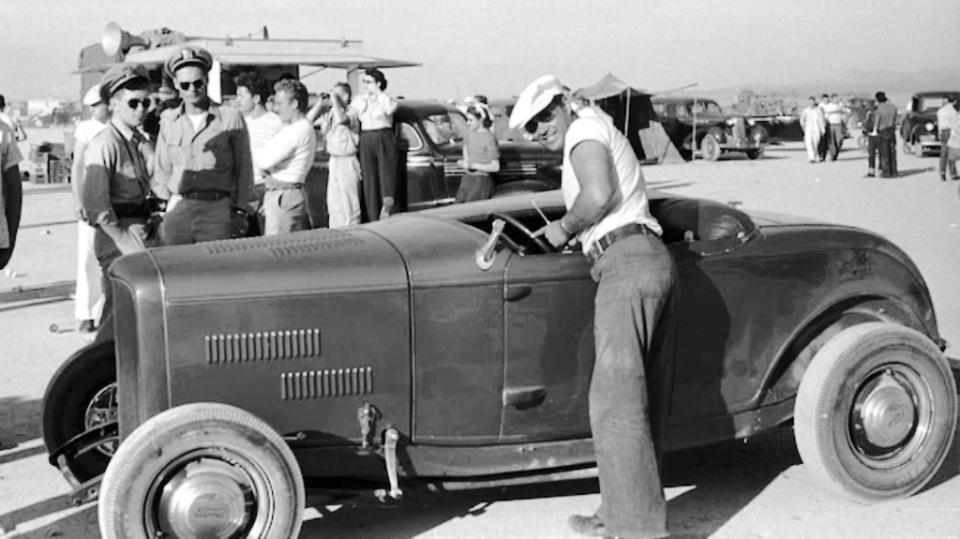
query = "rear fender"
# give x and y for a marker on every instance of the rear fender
(784, 380)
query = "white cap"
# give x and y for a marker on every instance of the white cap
(92, 97)
(535, 98)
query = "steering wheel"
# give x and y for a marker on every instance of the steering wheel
(539, 242)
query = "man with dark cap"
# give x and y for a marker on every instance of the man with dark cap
(609, 213)
(203, 157)
(115, 182)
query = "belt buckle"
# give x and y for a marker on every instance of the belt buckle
(596, 251)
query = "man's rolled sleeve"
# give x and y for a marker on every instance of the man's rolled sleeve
(243, 161)
(94, 185)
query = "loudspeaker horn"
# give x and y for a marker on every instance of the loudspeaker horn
(115, 39)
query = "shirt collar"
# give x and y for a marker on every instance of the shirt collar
(123, 128)
(214, 110)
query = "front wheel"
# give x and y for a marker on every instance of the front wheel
(876, 412)
(202, 471)
(754, 154)
(710, 148)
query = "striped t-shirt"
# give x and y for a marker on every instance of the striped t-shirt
(261, 129)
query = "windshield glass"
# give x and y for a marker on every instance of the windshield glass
(932, 103)
(445, 128)
(687, 110)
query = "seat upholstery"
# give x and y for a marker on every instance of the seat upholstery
(695, 220)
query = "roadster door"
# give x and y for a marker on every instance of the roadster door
(548, 321)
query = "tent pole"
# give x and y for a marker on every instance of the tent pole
(626, 125)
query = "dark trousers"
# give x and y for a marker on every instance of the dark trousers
(873, 144)
(378, 170)
(12, 207)
(633, 332)
(107, 252)
(824, 144)
(944, 153)
(888, 152)
(834, 140)
(196, 221)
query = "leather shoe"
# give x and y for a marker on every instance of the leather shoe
(590, 526)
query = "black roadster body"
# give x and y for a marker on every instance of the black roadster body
(449, 348)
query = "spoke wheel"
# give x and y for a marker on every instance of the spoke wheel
(202, 470)
(876, 412)
(710, 148)
(80, 396)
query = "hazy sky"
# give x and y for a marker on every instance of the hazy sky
(496, 47)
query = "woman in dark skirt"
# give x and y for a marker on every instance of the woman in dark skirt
(481, 156)
(378, 146)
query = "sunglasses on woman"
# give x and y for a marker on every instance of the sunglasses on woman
(198, 84)
(545, 115)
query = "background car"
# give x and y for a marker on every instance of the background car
(430, 139)
(726, 133)
(452, 349)
(919, 129)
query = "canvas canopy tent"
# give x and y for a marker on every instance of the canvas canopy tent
(633, 115)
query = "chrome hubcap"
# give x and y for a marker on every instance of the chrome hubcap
(887, 413)
(207, 499)
(891, 416)
(102, 409)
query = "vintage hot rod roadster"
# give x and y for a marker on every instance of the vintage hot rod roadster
(450, 348)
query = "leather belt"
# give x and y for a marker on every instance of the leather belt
(207, 196)
(343, 154)
(131, 210)
(604, 243)
(282, 186)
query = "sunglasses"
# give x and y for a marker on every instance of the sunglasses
(134, 103)
(198, 84)
(545, 115)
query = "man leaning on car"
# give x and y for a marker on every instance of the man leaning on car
(608, 212)
(203, 157)
(114, 186)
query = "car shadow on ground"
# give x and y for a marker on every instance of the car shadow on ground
(20, 421)
(719, 481)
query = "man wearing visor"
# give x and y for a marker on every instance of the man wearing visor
(115, 182)
(608, 212)
(203, 157)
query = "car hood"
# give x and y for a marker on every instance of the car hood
(280, 265)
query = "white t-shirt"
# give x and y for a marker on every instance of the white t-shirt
(633, 206)
(88, 129)
(196, 120)
(289, 155)
(261, 129)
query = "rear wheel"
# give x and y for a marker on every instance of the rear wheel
(876, 412)
(202, 471)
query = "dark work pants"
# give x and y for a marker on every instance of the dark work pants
(835, 140)
(944, 152)
(873, 144)
(378, 170)
(107, 252)
(888, 152)
(196, 221)
(12, 186)
(633, 329)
